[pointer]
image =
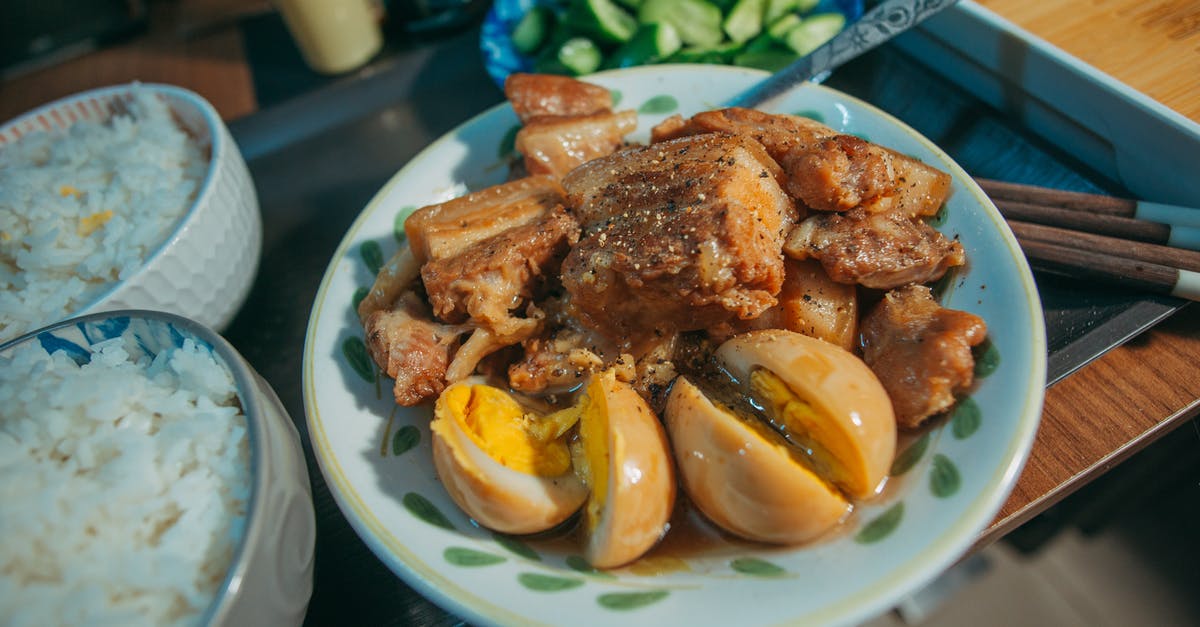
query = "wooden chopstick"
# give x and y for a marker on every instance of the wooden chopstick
(1093, 237)
(1100, 266)
(1112, 246)
(1096, 204)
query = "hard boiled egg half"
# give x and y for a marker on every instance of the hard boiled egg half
(624, 458)
(777, 453)
(504, 465)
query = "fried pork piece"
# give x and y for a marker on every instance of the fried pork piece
(823, 169)
(444, 229)
(810, 303)
(679, 235)
(777, 132)
(535, 95)
(490, 279)
(555, 145)
(411, 348)
(876, 250)
(920, 351)
(844, 172)
(562, 357)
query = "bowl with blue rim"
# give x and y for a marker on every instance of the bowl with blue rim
(150, 476)
(578, 37)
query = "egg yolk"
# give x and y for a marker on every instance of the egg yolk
(510, 434)
(830, 449)
(592, 465)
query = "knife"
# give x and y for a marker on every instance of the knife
(886, 20)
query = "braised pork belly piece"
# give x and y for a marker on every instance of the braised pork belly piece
(555, 145)
(677, 236)
(536, 95)
(920, 351)
(490, 280)
(777, 132)
(810, 303)
(442, 230)
(410, 347)
(845, 172)
(875, 250)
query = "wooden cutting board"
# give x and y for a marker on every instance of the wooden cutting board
(1152, 46)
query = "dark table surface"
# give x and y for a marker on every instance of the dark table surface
(321, 153)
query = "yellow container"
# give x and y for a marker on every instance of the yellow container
(334, 36)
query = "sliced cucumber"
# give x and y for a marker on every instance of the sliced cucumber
(719, 54)
(533, 29)
(698, 21)
(602, 19)
(745, 21)
(580, 55)
(779, 29)
(771, 60)
(779, 8)
(814, 31)
(650, 44)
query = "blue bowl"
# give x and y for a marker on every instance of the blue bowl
(501, 58)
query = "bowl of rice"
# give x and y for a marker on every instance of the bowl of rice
(149, 476)
(125, 197)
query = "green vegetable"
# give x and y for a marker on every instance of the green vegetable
(698, 21)
(770, 60)
(779, 8)
(652, 43)
(580, 55)
(531, 32)
(719, 54)
(814, 31)
(779, 29)
(745, 21)
(602, 19)
(581, 36)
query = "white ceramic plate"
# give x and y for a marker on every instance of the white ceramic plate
(376, 457)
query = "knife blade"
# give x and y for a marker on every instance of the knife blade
(886, 20)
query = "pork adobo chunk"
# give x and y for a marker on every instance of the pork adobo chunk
(678, 236)
(920, 351)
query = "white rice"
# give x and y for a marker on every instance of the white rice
(124, 486)
(83, 207)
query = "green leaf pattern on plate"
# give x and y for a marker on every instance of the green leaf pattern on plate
(508, 142)
(359, 295)
(616, 97)
(422, 508)
(987, 359)
(659, 104)
(547, 583)
(910, 456)
(966, 419)
(939, 218)
(812, 115)
(516, 546)
(398, 223)
(881, 526)
(470, 558)
(756, 567)
(944, 480)
(405, 439)
(630, 600)
(578, 564)
(372, 255)
(356, 355)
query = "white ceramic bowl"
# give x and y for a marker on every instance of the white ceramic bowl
(269, 581)
(946, 487)
(205, 267)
